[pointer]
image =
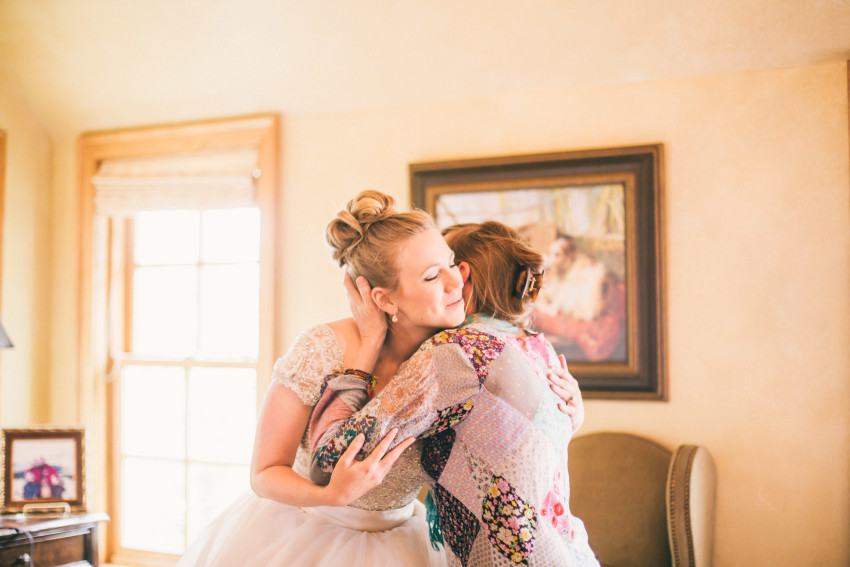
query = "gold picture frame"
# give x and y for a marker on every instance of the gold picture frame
(597, 217)
(43, 468)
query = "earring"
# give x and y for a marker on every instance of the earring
(395, 317)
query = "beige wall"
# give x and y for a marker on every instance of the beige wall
(758, 241)
(25, 307)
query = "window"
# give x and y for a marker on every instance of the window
(177, 323)
(187, 389)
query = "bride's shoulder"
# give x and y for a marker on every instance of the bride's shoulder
(346, 332)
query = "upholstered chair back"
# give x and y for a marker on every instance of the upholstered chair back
(643, 504)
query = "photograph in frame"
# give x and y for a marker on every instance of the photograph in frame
(43, 468)
(595, 217)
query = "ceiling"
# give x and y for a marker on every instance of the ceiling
(94, 64)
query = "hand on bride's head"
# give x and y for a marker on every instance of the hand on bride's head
(370, 319)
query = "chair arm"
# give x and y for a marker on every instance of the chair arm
(691, 488)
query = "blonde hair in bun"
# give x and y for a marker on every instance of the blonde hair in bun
(366, 235)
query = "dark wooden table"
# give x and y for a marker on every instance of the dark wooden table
(56, 541)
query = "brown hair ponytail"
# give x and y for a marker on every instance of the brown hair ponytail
(497, 258)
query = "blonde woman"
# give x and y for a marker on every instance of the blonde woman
(495, 449)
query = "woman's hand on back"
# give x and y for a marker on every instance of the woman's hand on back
(566, 387)
(351, 478)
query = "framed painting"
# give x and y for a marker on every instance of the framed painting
(43, 468)
(596, 215)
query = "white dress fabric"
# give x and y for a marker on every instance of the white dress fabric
(385, 527)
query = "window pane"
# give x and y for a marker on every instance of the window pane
(230, 310)
(165, 311)
(231, 235)
(167, 237)
(222, 414)
(158, 391)
(153, 495)
(211, 488)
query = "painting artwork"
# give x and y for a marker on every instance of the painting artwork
(595, 217)
(582, 234)
(42, 466)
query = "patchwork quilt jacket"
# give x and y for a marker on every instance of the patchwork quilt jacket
(495, 452)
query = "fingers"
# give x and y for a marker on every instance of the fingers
(567, 407)
(363, 287)
(348, 283)
(570, 395)
(351, 291)
(391, 457)
(562, 374)
(558, 381)
(360, 287)
(563, 360)
(382, 447)
(353, 448)
(561, 392)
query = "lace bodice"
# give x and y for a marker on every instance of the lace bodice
(316, 353)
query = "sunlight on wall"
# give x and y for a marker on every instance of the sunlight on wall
(24, 369)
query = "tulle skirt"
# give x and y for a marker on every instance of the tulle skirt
(257, 532)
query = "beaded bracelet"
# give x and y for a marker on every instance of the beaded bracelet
(366, 377)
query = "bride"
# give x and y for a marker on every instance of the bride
(368, 513)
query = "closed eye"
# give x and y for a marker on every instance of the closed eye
(452, 264)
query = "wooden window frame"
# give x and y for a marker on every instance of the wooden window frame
(98, 259)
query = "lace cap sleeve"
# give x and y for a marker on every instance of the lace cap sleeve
(314, 354)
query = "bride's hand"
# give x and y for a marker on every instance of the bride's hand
(566, 387)
(371, 321)
(351, 478)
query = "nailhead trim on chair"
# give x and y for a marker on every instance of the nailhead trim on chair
(674, 480)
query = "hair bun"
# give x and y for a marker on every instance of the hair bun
(350, 225)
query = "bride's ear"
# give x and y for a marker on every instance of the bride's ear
(382, 299)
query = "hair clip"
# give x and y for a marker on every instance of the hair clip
(528, 283)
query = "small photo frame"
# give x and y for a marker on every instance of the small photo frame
(43, 468)
(596, 215)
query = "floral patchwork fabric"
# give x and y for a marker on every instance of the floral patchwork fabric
(480, 348)
(509, 522)
(448, 418)
(436, 452)
(329, 453)
(555, 509)
(460, 526)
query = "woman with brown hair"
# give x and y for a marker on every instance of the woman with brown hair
(495, 452)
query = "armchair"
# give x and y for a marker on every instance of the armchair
(642, 504)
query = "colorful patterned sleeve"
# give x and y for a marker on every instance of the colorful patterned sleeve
(433, 391)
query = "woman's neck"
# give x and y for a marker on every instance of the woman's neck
(402, 342)
(398, 347)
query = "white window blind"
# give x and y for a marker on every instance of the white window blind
(192, 180)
